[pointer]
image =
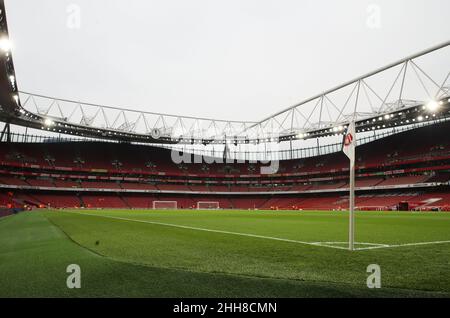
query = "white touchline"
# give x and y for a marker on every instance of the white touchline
(6, 216)
(322, 244)
(210, 230)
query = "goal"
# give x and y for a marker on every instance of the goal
(207, 205)
(160, 205)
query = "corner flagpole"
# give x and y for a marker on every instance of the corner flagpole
(351, 229)
(349, 149)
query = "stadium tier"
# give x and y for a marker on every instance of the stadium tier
(410, 169)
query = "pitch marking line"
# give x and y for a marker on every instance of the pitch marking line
(210, 230)
(371, 245)
(322, 244)
(6, 216)
(405, 244)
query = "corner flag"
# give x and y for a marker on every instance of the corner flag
(350, 143)
(349, 150)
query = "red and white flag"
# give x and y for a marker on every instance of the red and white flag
(350, 142)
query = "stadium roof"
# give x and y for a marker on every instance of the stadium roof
(410, 90)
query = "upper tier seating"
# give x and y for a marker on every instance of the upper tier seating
(404, 180)
(13, 181)
(412, 145)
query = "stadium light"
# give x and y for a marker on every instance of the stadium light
(420, 118)
(16, 98)
(432, 105)
(48, 122)
(5, 45)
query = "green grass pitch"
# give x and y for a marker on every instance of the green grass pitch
(138, 253)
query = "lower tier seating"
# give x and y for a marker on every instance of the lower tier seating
(421, 200)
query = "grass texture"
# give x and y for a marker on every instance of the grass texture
(138, 253)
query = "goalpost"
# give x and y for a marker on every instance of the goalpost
(207, 205)
(162, 205)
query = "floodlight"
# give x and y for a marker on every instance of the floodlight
(5, 45)
(432, 105)
(420, 118)
(48, 122)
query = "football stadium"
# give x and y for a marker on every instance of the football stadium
(343, 194)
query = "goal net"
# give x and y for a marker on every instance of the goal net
(207, 205)
(160, 205)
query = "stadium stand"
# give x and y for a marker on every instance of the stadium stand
(412, 166)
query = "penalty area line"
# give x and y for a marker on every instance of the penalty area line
(211, 230)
